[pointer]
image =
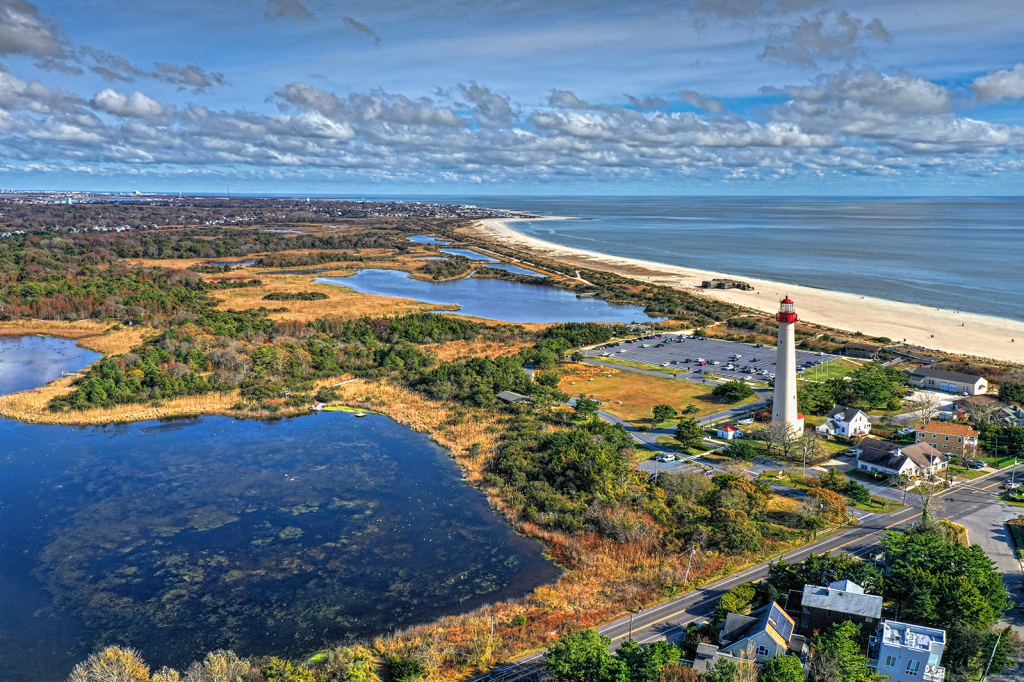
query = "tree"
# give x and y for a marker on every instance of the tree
(875, 385)
(549, 379)
(782, 669)
(926, 406)
(826, 503)
(690, 434)
(644, 663)
(583, 657)
(576, 356)
(810, 445)
(113, 664)
(663, 413)
(834, 480)
(841, 644)
(857, 492)
(585, 407)
(741, 449)
(732, 391)
(724, 671)
(1011, 392)
(691, 409)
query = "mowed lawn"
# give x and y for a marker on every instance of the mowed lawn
(639, 394)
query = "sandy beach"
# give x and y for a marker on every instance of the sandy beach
(941, 329)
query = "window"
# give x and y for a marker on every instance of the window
(959, 440)
(922, 434)
(934, 436)
(805, 623)
(947, 438)
(762, 650)
(807, 609)
(913, 667)
(890, 661)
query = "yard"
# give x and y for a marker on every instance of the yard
(878, 505)
(837, 369)
(639, 393)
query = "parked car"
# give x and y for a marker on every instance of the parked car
(745, 422)
(665, 457)
(976, 464)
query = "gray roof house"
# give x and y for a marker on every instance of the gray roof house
(941, 380)
(818, 608)
(889, 459)
(845, 421)
(513, 397)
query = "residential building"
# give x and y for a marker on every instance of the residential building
(1011, 415)
(862, 350)
(941, 380)
(845, 421)
(962, 407)
(769, 630)
(728, 432)
(815, 608)
(889, 459)
(908, 653)
(513, 397)
(949, 438)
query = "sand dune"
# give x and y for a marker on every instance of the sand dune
(947, 330)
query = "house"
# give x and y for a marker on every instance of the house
(845, 421)
(728, 432)
(908, 653)
(512, 397)
(941, 380)
(889, 459)
(962, 407)
(956, 439)
(1011, 415)
(769, 629)
(862, 350)
(816, 608)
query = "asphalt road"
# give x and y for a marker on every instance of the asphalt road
(669, 619)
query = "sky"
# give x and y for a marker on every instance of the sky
(692, 97)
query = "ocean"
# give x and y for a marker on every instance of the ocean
(958, 253)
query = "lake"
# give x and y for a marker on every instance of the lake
(516, 269)
(426, 239)
(265, 537)
(33, 361)
(468, 253)
(493, 299)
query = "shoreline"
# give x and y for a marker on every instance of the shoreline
(934, 328)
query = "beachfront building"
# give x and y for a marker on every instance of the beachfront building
(954, 439)
(883, 458)
(784, 404)
(908, 653)
(862, 350)
(815, 609)
(845, 421)
(941, 380)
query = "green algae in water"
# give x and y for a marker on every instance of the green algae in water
(263, 537)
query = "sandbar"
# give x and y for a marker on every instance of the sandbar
(952, 331)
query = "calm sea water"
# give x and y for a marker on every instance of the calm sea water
(957, 253)
(493, 299)
(32, 361)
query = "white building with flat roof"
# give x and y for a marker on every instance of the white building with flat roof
(909, 653)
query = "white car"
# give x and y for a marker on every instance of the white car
(745, 422)
(666, 458)
(664, 364)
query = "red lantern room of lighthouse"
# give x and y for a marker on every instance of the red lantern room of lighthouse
(787, 312)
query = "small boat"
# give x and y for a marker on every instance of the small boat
(360, 414)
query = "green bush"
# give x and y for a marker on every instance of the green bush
(279, 670)
(405, 669)
(519, 621)
(732, 391)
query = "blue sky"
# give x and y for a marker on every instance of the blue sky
(520, 97)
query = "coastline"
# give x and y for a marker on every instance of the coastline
(936, 328)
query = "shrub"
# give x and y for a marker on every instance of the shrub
(296, 296)
(113, 664)
(405, 669)
(279, 670)
(519, 621)
(732, 391)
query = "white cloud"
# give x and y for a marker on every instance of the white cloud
(828, 36)
(1008, 84)
(136, 106)
(697, 100)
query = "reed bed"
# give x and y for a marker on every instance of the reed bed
(454, 350)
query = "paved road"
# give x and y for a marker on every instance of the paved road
(669, 619)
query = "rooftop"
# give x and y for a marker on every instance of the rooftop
(850, 600)
(943, 374)
(911, 636)
(948, 429)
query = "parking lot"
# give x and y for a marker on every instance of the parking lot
(684, 354)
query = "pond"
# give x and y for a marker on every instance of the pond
(492, 298)
(239, 264)
(33, 361)
(468, 253)
(426, 239)
(278, 537)
(516, 269)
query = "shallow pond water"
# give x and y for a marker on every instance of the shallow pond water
(237, 264)
(276, 537)
(508, 267)
(426, 239)
(492, 298)
(32, 361)
(468, 253)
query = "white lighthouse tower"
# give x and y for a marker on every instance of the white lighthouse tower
(784, 405)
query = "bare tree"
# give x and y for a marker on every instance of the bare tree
(983, 414)
(924, 498)
(926, 406)
(810, 445)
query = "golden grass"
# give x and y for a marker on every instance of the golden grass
(454, 350)
(102, 337)
(343, 302)
(639, 393)
(118, 341)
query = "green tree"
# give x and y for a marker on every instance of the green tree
(279, 670)
(877, 386)
(741, 449)
(549, 379)
(738, 600)
(690, 434)
(585, 407)
(583, 657)
(841, 645)
(834, 480)
(663, 413)
(576, 356)
(644, 663)
(1011, 392)
(724, 671)
(732, 391)
(691, 409)
(405, 669)
(781, 669)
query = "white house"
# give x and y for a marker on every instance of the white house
(941, 380)
(728, 432)
(889, 459)
(908, 653)
(845, 421)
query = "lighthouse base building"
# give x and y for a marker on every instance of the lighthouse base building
(784, 409)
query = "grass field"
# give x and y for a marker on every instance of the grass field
(878, 505)
(837, 369)
(639, 393)
(640, 365)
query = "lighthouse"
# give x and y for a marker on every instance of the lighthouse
(784, 405)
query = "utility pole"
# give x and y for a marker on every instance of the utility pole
(990, 657)
(686, 580)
